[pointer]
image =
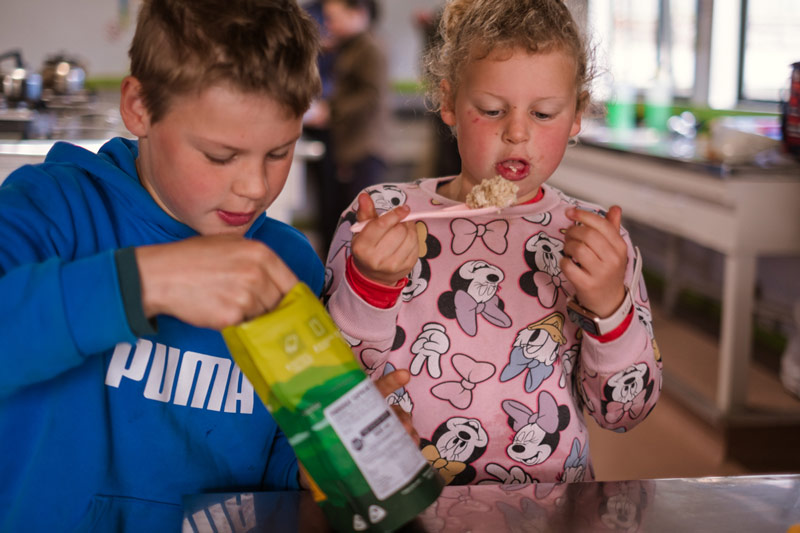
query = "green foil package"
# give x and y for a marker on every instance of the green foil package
(367, 474)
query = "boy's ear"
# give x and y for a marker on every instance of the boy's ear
(447, 104)
(132, 109)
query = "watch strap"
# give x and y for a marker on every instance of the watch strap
(593, 324)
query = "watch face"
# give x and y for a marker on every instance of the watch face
(585, 323)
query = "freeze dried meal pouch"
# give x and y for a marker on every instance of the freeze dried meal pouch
(367, 473)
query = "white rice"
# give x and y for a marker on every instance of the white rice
(496, 192)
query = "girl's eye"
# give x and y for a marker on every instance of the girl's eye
(491, 112)
(541, 116)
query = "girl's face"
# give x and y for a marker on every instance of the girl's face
(513, 114)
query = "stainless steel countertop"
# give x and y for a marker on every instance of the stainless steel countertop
(769, 503)
(691, 154)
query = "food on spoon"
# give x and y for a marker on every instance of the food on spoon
(496, 192)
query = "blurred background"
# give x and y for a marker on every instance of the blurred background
(694, 130)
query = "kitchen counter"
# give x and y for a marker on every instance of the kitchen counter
(714, 504)
(692, 153)
(743, 212)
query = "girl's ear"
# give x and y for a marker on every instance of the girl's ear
(447, 100)
(132, 109)
(582, 104)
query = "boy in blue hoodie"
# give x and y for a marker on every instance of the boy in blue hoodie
(117, 393)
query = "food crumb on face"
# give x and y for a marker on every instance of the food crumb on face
(496, 192)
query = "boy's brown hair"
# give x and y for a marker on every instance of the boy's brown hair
(263, 46)
(471, 29)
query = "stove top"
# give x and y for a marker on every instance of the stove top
(81, 115)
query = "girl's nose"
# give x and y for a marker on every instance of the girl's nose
(516, 128)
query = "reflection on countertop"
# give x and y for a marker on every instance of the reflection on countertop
(747, 503)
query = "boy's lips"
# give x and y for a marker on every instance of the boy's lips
(235, 219)
(512, 169)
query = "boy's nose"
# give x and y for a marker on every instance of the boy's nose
(251, 183)
(516, 128)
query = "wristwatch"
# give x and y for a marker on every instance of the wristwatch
(593, 324)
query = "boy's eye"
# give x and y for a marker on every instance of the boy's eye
(277, 156)
(491, 112)
(219, 160)
(541, 116)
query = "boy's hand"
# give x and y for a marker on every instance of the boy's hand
(212, 281)
(386, 249)
(595, 257)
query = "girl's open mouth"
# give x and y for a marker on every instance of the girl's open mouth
(512, 169)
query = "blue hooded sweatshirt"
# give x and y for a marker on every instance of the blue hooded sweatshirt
(101, 430)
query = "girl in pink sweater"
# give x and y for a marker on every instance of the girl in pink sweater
(513, 323)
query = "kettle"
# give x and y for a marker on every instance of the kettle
(791, 114)
(19, 85)
(63, 75)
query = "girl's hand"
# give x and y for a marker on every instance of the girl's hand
(387, 384)
(595, 257)
(386, 249)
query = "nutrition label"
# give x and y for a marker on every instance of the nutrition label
(375, 438)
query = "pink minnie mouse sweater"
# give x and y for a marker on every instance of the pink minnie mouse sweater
(501, 377)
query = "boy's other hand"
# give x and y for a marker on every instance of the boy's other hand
(595, 258)
(212, 281)
(387, 384)
(386, 249)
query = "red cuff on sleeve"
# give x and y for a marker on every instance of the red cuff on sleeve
(375, 294)
(616, 332)
(539, 196)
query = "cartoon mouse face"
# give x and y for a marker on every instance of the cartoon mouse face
(528, 448)
(646, 318)
(620, 513)
(474, 293)
(417, 281)
(544, 252)
(537, 434)
(387, 197)
(459, 438)
(482, 279)
(628, 384)
(420, 275)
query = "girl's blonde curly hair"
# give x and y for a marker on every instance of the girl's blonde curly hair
(472, 29)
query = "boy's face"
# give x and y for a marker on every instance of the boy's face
(513, 113)
(218, 159)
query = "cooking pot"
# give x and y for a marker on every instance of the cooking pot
(19, 84)
(63, 75)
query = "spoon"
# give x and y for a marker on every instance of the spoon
(452, 211)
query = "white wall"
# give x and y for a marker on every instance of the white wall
(96, 32)
(402, 39)
(93, 31)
